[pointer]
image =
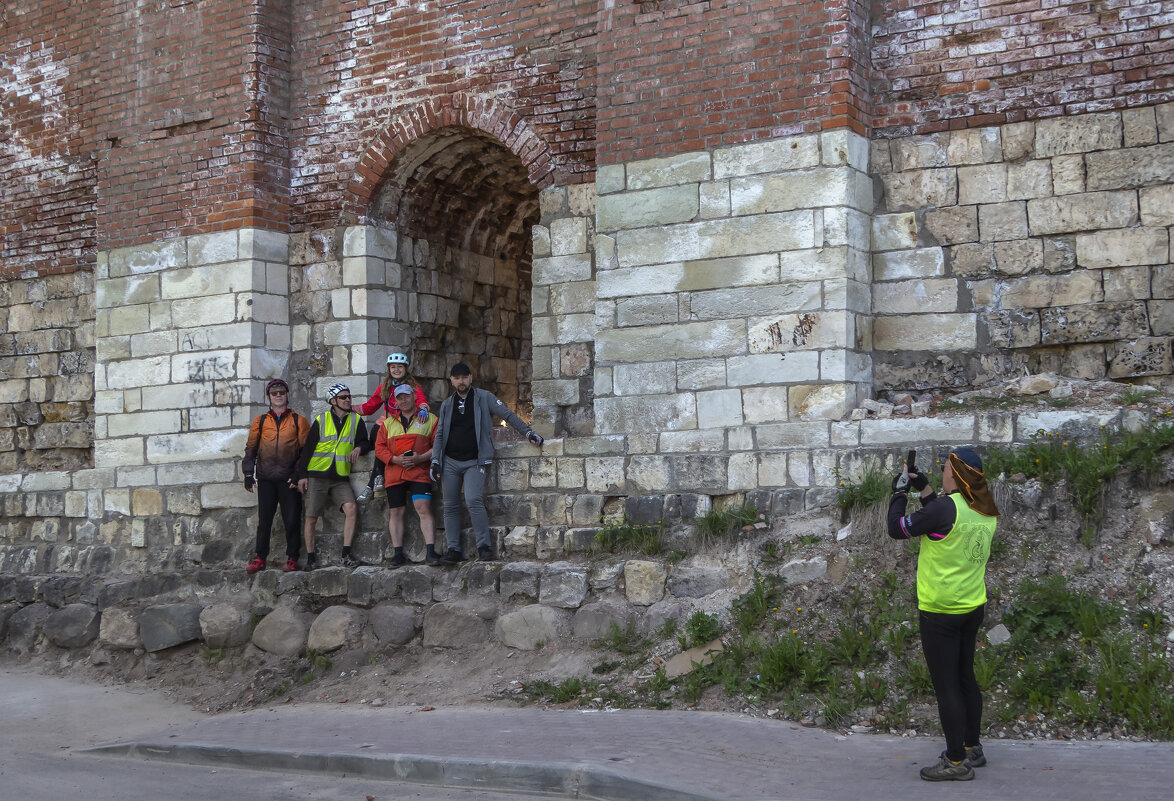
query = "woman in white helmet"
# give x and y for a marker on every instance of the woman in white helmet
(383, 401)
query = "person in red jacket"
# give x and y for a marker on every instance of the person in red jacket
(404, 444)
(275, 442)
(382, 401)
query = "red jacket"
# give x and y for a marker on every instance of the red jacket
(377, 401)
(393, 440)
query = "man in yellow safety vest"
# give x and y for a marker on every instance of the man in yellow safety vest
(336, 440)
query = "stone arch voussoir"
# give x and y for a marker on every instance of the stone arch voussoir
(485, 115)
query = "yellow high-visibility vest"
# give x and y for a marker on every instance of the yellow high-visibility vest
(951, 573)
(334, 446)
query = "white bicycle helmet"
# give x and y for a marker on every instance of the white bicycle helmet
(336, 390)
(398, 358)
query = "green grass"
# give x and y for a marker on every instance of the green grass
(564, 692)
(716, 524)
(625, 641)
(701, 628)
(1087, 466)
(869, 486)
(628, 537)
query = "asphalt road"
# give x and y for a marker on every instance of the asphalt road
(46, 722)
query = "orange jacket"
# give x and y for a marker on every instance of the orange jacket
(393, 440)
(274, 445)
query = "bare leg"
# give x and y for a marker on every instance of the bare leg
(395, 526)
(423, 507)
(309, 533)
(350, 517)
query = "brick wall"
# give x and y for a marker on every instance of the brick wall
(47, 193)
(942, 66)
(678, 77)
(372, 77)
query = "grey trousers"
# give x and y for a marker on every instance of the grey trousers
(470, 476)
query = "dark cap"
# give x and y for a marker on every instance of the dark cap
(460, 368)
(277, 382)
(969, 457)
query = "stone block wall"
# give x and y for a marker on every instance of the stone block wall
(46, 373)
(1039, 246)
(732, 287)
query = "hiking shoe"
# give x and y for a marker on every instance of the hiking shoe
(397, 560)
(380, 492)
(256, 565)
(350, 561)
(431, 558)
(947, 771)
(291, 565)
(974, 757)
(484, 553)
(365, 495)
(452, 557)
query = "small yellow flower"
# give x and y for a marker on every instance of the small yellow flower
(800, 609)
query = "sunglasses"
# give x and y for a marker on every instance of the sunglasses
(342, 397)
(278, 392)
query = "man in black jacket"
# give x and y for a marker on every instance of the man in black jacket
(462, 454)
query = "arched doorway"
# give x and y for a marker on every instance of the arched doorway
(464, 206)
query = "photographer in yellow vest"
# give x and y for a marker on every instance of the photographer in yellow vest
(956, 530)
(336, 440)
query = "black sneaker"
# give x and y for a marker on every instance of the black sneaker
(397, 560)
(350, 561)
(452, 557)
(484, 553)
(431, 558)
(947, 771)
(312, 561)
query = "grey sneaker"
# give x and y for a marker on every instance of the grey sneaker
(947, 771)
(350, 561)
(974, 757)
(366, 495)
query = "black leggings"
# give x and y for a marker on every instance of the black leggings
(948, 643)
(377, 469)
(270, 495)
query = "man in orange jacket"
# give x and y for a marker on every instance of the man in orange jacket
(275, 442)
(404, 444)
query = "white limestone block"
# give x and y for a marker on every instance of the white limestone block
(773, 155)
(684, 168)
(214, 248)
(926, 332)
(765, 233)
(719, 409)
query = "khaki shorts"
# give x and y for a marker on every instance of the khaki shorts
(321, 490)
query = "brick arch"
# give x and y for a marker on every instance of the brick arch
(476, 114)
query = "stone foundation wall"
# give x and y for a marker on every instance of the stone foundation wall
(702, 326)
